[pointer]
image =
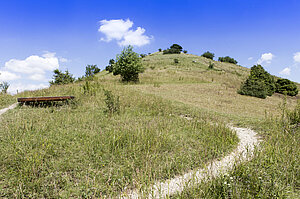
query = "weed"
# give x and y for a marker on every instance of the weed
(112, 102)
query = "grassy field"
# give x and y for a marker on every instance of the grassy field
(272, 173)
(80, 150)
(6, 100)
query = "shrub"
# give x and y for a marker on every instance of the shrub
(259, 83)
(228, 60)
(62, 78)
(128, 65)
(91, 70)
(174, 49)
(208, 55)
(287, 87)
(159, 50)
(294, 115)
(211, 65)
(143, 55)
(185, 51)
(4, 87)
(252, 87)
(258, 72)
(110, 66)
(176, 61)
(112, 102)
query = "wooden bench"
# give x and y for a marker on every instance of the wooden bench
(37, 100)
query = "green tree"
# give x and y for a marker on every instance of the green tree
(174, 49)
(255, 88)
(258, 73)
(110, 66)
(91, 70)
(259, 83)
(228, 60)
(128, 65)
(4, 87)
(61, 78)
(208, 55)
(287, 87)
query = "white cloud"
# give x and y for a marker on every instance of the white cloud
(38, 77)
(19, 87)
(33, 64)
(297, 57)
(286, 71)
(63, 60)
(266, 58)
(8, 76)
(121, 31)
(250, 58)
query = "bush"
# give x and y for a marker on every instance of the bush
(255, 88)
(143, 55)
(174, 49)
(258, 72)
(258, 77)
(208, 55)
(62, 78)
(110, 66)
(228, 60)
(185, 51)
(294, 115)
(287, 87)
(159, 50)
(128, 65)
(176, 61)
(211, 66)
(112, 102)
(91, 70)
(4, 87)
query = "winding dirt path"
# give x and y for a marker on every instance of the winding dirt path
(8, 108)
(244, 151)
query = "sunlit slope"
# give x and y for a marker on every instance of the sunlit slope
(191, 82)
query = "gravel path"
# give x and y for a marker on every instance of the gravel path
(244, 151)
(8, 108)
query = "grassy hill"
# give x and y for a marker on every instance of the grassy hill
(80, 150)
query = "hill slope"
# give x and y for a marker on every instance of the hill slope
(80, 150)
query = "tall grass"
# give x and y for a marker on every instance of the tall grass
(80, 151)
(272, 173)
(6, 100)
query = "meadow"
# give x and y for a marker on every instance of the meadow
(81, 149)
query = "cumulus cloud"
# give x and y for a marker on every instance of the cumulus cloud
(8, 76)
(286, 71)
(33, 64)
(122, 32)
(266, 58)
(297, 57)
(19, 87)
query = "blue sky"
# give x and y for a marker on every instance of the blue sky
(37, 36)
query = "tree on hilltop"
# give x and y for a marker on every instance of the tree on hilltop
(128, 65)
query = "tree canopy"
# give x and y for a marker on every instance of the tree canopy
(128, 65)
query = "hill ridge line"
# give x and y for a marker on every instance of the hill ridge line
(243, 152)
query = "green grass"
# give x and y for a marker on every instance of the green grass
(272, 173)
(80, 151)
(6, 100)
